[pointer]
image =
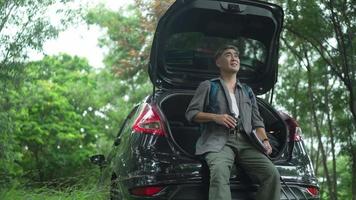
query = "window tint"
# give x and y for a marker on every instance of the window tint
(194, 51)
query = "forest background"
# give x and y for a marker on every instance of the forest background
(57, 111)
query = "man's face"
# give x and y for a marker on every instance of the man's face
(229, 61)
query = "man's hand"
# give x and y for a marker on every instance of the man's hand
(268, 147)
(261, 134)
(225, 120)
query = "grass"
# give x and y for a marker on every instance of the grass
(80, 187)
(53, 194)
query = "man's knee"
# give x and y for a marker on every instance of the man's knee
(272, 176)
(220, 173)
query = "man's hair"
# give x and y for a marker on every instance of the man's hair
(221, 50)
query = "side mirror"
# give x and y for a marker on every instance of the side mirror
(98, 159)
(117, 141)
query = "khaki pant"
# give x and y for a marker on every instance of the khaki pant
(255, 164)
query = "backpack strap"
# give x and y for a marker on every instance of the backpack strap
(248, 91)
(215, 86)
(213, 104)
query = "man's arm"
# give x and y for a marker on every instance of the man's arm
(198, 101)
(261, 134)
(257, 123)
(222, 119)
(195, 111)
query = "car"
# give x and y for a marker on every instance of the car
(152, 156)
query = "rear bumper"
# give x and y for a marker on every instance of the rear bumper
(199, 190)
(191, 181)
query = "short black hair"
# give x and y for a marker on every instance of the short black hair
(221, 50)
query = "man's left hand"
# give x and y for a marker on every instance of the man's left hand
(267, 147)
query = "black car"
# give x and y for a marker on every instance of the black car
(153, 154)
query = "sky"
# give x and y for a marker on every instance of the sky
(80, 39)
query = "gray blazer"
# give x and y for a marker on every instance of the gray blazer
(214, 136)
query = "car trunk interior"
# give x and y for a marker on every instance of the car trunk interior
(185, 134)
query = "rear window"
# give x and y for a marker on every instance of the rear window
(194, 51)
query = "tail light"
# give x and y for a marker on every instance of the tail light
(294, 130)
(146, 191)
(313, 191)
(297, 134)
(149, 121)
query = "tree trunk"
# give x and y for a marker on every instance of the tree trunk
(296, 92)
(353, 185)
(314, 152)
(330, 130)
(38, 165)
(316, 162)
(352, 152)
(318, 131)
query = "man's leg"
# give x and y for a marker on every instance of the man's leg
(220, 164)
(260, 169)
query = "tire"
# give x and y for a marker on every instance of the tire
(114, 189)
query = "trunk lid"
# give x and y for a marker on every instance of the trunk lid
(189, 33)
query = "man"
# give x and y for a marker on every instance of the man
(224, 127)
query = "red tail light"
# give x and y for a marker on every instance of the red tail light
(146, 191)
(149, 121)
(297, 134)
(294, 130)
(313, 191)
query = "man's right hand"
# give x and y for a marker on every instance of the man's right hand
(225, 120)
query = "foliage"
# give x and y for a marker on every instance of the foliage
(126, 41)
(61, 112)
(56, 112)
(50, 128)
(344, 179)
(317, 84)
(61, 115)
(24, 25)
(128, 37)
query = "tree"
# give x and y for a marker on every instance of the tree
(128, 37)
(320, 36)
(61, 116)
(126, 40)
(24, 25)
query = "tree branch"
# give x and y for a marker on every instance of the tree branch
(320, 51)
(341, 41)
(4, 20)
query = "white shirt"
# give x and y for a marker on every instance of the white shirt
(235, 109)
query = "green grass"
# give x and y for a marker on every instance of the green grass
(52, 194)
(82, 186)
